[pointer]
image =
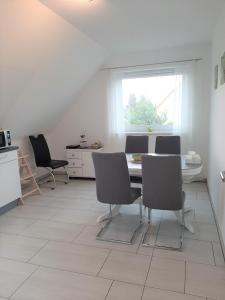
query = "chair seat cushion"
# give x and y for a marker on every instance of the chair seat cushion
(53, 164)
(166, 208)
(135, 193)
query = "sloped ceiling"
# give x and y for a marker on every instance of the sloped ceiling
(44, 61)
(139, 25)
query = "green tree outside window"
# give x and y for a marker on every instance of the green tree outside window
(143, 112)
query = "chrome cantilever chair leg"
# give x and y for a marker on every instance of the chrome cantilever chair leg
(51, 173)
(145, 241)
(53, 178)
(100, 234)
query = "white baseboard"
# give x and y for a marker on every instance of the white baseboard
(222, 242)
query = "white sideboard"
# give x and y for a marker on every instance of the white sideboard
(9, 178)
(80, 162)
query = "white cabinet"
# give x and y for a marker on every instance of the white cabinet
(10, 189)
(80, 162)
(88, 167)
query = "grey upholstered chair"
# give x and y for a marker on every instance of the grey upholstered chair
(136, 144)
(162, 188)
(167, 144)
(113, 186)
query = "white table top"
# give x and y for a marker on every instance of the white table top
(187, 169)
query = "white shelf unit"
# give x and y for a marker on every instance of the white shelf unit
(80, 162)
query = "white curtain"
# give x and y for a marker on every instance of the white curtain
(116, 129)
(183, 107)
(185, 98)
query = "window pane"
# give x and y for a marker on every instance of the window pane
(150, 102)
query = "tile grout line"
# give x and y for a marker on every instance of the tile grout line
(86, 274)
(139, 245)
(28, 226)
(106, 278)
(81, 231)
(73, 242)
(214, 258)
(147, 273)
(142, 293)
(157, 233)
(109, 290)
(36, 253)
(63, 208)
(24, 236)
(37, 268)
(17, 261)
(94, 246)
(98, 273)
(52, 240)
(94, 276)
(178, 293)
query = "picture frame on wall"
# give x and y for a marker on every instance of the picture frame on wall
(216, 76)
(223, 69)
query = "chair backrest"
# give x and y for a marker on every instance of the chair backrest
(112, 178)
(167, 144)
(40, 148)
(162, 182)
(136, 144)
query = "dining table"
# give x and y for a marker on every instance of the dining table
(189, 171)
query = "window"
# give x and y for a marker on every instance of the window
(150, 101)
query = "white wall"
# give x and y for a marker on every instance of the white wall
(88, 113)
(217, 132)
(44, 61)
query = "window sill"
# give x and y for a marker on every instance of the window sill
(149, 133)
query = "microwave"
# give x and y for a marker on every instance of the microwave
(5, 138)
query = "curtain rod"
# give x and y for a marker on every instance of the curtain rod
(153, 64)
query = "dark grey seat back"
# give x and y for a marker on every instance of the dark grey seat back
(162, 182)
(40, 148)
(136, 144)
(167, 145)
(112, 178)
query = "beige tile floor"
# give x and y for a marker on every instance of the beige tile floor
(48, 251)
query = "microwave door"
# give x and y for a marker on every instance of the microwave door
(2, 140)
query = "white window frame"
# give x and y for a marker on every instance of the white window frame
(159, 129)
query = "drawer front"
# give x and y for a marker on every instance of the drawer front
(73, 154)
(75, 163)
(75, 172)
(8, 156)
